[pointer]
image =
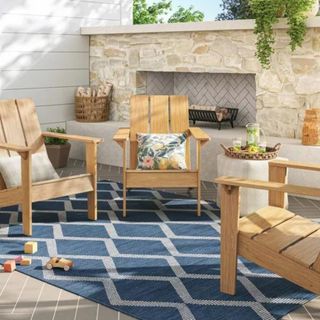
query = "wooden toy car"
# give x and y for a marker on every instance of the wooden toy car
(62, 263)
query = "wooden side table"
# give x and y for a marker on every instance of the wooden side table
(251, 199)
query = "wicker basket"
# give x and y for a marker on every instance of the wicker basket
(92, 109)
(270, 154)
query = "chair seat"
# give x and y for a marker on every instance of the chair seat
(284, 233)
(162, 178)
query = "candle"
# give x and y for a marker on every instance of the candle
(263, 146)
(237, 142)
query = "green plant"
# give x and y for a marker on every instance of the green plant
(186, 15)
(296, 15)
(157, 12)
(235, 9)
(50, 140)
(145, 14)
(267, 13)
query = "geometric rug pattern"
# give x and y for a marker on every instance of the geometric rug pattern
(161, 262)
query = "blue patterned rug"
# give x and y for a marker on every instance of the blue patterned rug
(160, 263)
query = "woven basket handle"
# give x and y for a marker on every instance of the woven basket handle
(277, 146)
(224, 148)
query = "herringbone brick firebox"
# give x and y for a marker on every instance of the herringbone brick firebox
(211, 89)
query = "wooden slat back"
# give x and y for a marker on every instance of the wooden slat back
(19, 125)
(3, 153)
(30, 123)
(179, 120)
(159, 114)
(139, 116)
(179, 114)
(11, 124)
(139, 123)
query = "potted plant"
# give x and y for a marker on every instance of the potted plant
(268, 12)
(58, 149)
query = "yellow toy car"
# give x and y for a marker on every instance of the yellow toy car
(62, 263)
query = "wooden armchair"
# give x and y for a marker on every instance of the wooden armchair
(20, 133)
(159, 114)
(272, 237)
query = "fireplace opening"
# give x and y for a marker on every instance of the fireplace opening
(222, 90)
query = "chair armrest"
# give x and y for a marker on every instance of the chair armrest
(266, 185)
(14, 147)
(295, 165)
(122, 135)
(71, 137)
(199, 134)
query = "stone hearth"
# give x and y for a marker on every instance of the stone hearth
(122, 54)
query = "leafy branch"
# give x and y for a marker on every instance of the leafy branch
(267, 13)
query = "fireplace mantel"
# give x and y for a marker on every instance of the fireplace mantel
(283, 92)
(313, 22)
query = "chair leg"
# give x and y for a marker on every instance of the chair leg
(231, 122)
(198, 165)
(27, 218)
(124, 180)
(124, 206)
(199, 201)
(230, 213)
(26, 177)
(91, 162)
(92, 204)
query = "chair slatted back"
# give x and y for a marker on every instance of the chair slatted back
(157, 114)
(30, 123)
(12, 130)
(19, 125)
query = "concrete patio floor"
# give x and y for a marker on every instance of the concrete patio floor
(25, 298)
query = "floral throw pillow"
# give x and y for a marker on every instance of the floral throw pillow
(162, 151)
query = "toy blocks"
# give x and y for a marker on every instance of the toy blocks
(18, 259)
(9, 266)
(30, 247)
(23, 261)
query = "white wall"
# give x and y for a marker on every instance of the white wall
(43, 55)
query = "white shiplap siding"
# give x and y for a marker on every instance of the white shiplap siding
(43, 55)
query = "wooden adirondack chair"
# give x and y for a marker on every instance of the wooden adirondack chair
(159, 114)
(272, 237)
(20, 133)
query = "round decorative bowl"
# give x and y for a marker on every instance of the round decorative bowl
(244, 154)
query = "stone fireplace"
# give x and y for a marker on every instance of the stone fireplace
(209, 89)
(215, 53)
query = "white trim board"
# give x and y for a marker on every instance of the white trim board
(313, 22)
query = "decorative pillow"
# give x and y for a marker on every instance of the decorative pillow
(162, 151)
(42, 169)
